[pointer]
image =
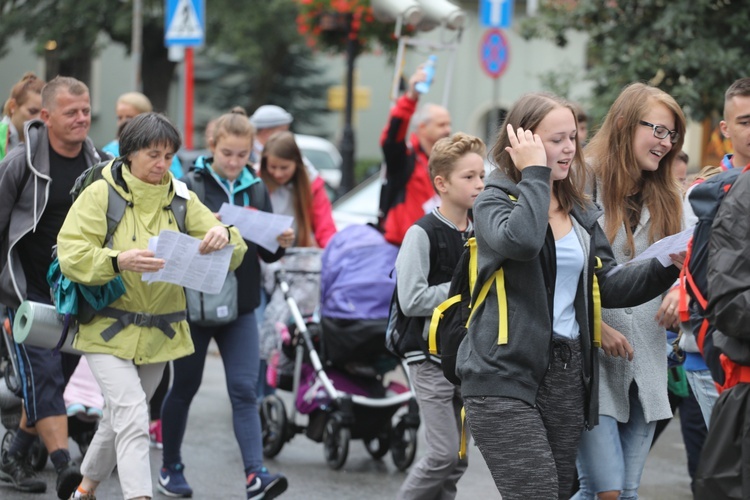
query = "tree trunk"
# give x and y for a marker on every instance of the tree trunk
(156, 69)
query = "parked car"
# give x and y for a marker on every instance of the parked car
(324, 156)
(360, 205)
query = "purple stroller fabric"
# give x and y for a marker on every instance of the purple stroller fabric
(312, 395)
(355, 275)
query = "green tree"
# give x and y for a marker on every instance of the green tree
(255, 56)
(692, 49)
(260, 57)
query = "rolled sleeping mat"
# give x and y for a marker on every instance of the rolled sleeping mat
(39, 325)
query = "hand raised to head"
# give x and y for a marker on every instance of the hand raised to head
(526, 148)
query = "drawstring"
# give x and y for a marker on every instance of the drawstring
(563, 352)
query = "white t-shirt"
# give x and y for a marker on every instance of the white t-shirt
(569, 269)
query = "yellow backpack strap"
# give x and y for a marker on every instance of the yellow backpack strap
(597, 305)
(437, 315)
(462, 446)
(473, 263)
(502, 307)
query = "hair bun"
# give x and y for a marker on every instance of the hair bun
(238, 110)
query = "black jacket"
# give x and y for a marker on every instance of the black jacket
(249, 191)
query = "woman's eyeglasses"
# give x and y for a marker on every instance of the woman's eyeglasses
(661, 132)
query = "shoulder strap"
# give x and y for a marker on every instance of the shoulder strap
(116, 205)
(179, 209)
(196, 185)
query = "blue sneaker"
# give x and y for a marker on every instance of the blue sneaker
(263, 485)
(172, 481)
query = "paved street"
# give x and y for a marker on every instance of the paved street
(214, 467)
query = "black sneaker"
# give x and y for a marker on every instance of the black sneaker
(20, 472)
(68, 479)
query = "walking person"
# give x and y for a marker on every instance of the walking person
(529, 395)
(631, 158)
(24, 104)
(431, 250)
(226, 177)
(408, 194)
(294, 192)
(734, 127)
(35, 183)
(128, 106)
(128, 343)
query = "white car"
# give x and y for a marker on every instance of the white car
(360, 205)
(324, 156)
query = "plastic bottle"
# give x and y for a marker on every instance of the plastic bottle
(429, 68)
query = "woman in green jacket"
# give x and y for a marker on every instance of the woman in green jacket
(127, 354)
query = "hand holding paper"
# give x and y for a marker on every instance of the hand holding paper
(184, 264)
(257, 226)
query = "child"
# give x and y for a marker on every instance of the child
(425, 263)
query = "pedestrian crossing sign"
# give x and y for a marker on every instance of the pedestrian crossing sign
(185, 23)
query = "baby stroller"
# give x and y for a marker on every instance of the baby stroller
(10, 403)
(335, 365)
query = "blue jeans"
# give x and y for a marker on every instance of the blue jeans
(612, 455)
(705, 391)
(238, 346)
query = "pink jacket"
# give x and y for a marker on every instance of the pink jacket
(322, 215)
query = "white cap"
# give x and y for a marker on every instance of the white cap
(269, 116)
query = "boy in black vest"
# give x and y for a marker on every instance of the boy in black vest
(424, 267)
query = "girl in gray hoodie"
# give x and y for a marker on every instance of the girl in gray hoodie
(527, 368)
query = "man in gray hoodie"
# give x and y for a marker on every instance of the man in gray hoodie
(35, 184)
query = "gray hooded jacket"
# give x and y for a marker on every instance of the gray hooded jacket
(24, 198)
(516, 236)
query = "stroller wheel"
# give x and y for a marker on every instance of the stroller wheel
(7, 440)
(403, 446)
(273, 424)
(38, 455)
(378, 446)
(336, 442)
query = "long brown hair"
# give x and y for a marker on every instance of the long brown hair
(612, 158)
(528, 112)
(282, 145)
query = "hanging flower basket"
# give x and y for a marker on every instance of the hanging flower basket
(328, 25)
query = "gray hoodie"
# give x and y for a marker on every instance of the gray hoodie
(23, 203)
(516, 236)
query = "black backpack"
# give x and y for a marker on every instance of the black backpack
(404, 333)
(705, 200)
(450, 320)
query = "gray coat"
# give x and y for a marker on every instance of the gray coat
(647, 338)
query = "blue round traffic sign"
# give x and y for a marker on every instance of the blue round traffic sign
(494, 52)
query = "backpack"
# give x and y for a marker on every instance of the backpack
(705, 200)
(450, 320)
(404, 333)
(66, 295)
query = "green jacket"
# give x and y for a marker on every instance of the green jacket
(84, 260)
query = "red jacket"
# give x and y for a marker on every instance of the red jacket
(408, 193)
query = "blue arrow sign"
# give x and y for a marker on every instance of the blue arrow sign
(496, 13)
(185, 23)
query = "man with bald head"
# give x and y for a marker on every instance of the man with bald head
(407, 193)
